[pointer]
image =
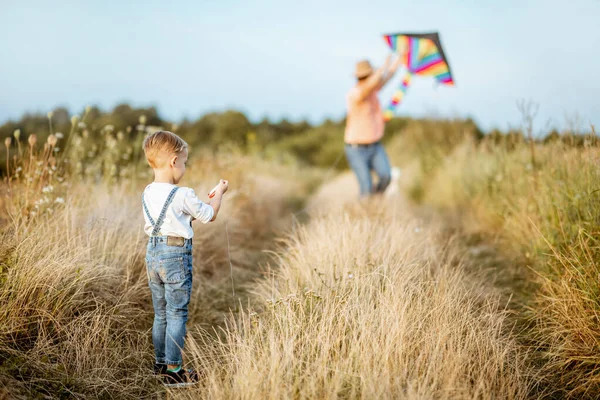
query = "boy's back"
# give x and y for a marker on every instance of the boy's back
(184, 208)
(168, 212)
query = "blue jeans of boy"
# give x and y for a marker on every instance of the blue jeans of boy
(170, 279)
(365, 158)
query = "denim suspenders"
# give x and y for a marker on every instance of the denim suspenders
(156, 225)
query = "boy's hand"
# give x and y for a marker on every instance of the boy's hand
(223, 185)
(221, 188)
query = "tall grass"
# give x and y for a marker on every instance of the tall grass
(367, 304)
(75, 310)
(367, 301)
(72, 299)
(546, 218)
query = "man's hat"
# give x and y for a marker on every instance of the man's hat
(363, 69)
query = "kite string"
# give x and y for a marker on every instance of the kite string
(230, 264)
(325, 177)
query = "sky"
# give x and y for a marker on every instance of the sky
(295, 59)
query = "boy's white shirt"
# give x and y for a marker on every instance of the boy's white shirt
(184, 207)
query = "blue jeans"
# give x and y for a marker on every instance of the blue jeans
(169, 271)
(365, 158)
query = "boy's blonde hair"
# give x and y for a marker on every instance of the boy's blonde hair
(162, 143)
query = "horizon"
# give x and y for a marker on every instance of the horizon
(295, 62)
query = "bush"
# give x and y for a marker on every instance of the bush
(546, 218)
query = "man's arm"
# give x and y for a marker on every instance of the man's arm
(390, 72)
(373, 82)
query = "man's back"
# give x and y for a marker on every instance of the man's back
(364, 124)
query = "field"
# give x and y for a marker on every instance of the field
(478, 278)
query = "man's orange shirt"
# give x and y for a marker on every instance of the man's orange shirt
(364, 122)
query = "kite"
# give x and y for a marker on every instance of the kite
(422, 54)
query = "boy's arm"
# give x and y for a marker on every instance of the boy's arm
(196, 208)
(215, 202)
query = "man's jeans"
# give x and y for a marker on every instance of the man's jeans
(170, 279)
(363, 159)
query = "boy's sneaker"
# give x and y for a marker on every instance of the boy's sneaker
(180, 378)
(160, 369)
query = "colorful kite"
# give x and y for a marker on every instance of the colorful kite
(422, 54)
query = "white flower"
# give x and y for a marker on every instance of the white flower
(59, 200)
(109, 128)
(19, 169)
(59, 135)
(81, 125)
(111, 143)
(47, 189)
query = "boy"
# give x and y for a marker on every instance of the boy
(169, 211)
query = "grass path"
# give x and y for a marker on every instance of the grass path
(360, 300)
(366, 300)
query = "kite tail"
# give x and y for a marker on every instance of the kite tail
(397, 97)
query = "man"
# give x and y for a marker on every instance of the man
(365, 125)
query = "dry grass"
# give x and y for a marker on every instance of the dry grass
(363, 301)
(366, 304)
(75, 310)
(73, 297)
(545, 217)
